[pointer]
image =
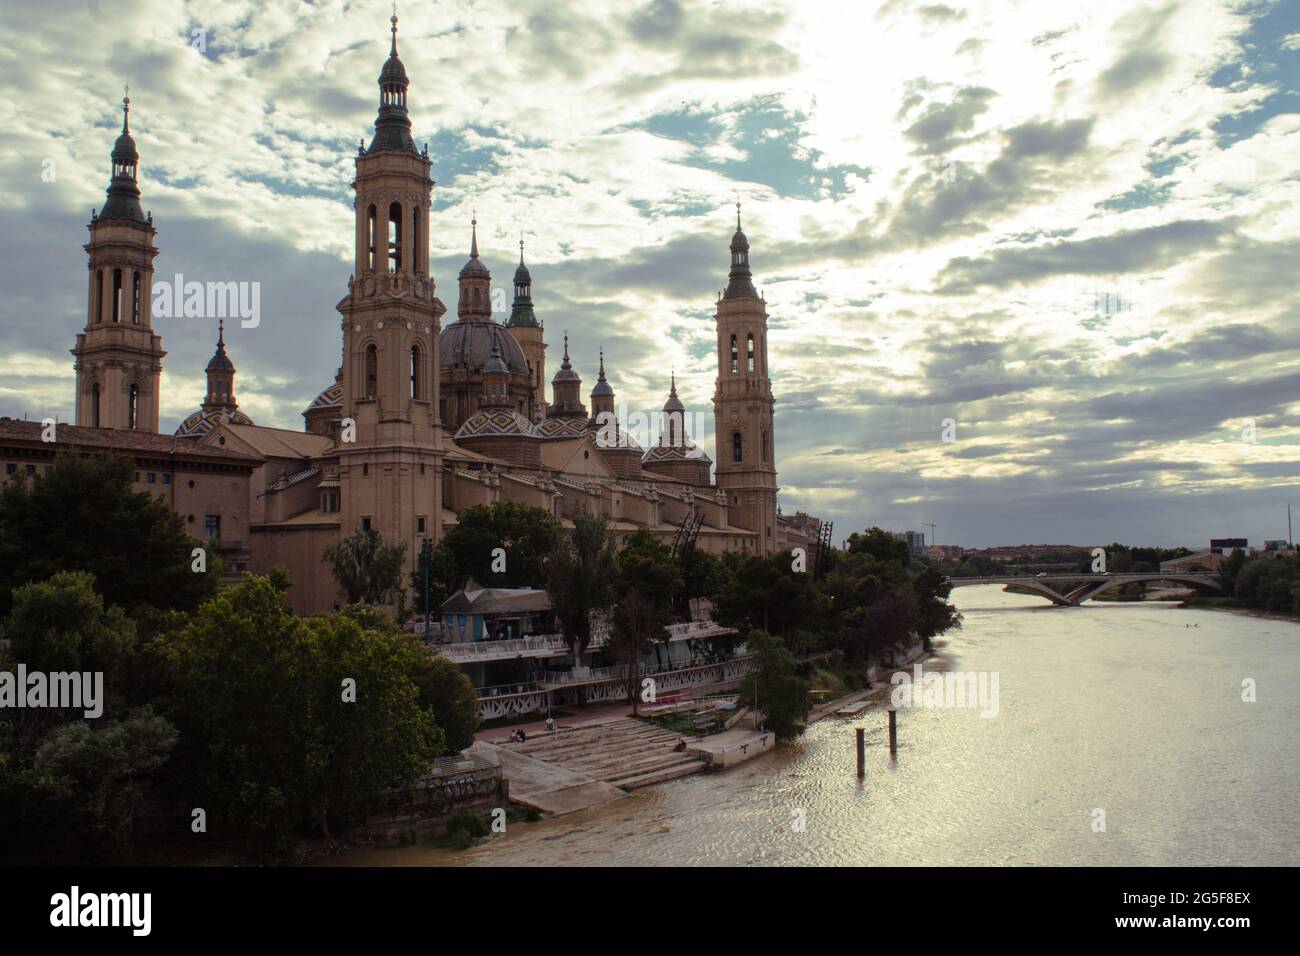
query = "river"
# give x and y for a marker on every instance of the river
(1134, 710)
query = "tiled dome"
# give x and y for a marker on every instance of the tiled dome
(495, 422)
(203, 421)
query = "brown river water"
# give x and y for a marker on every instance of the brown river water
(1132, 710)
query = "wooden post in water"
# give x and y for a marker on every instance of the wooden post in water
(893, 731)
(862, 752)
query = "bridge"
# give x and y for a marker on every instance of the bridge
(1085, 586)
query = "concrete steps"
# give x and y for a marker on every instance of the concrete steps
(623, 752)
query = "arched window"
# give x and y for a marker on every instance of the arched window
(99, 295)
(394, 237)
(474, 296)
(735, 356)
(371, 226)
(672, 430)
(736, 449)
(415, 238)
(94, 404)
(133, 407)
(372, 371)
(750, 352)
(415, 372)
(135, 298)
(117, 295)
(767, 449)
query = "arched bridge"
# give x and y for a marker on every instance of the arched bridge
(1080, 587)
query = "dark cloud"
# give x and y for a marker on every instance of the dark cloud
(1136, 250)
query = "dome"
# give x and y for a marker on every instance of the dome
(676, 453)
(124, 150)
(475, 267)
(203, 421)
(495, 423)
(332, 397)
(557, 428)
(602, 388)
(470, 344)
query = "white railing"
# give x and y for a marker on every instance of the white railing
(540, 645)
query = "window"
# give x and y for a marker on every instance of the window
(135, 298)
(94, 404)
(151, 478)
(31, 469)
(99, 295)
(421, 468)
(767, 449)
(442, 409)
(212, 527)
(735, 356)
(415, 371)
(166, 479)
(365, 469)
(372, 371)
(415, 239)
(394, 237)
(117, 295)
(133, 407)
(736, 450)
(10, 468)
(370, 237)
(750, 352)
(419, 525)
(365, 522)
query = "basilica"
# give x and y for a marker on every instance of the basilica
(425, 416)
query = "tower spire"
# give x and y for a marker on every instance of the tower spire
(393, 125)
(473, 242)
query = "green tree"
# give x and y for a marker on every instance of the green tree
(646, 582)
(580, 577)
(81, 514)
(773, 687)
(62, 625)
(767, 593)
(269, 741)
(367, 570)
(443, 687)
(527, 534)
(934, 614)
(102, 772)
(879, 544)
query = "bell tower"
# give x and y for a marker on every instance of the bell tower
(118, 356)
(390, 472)
(743, 403)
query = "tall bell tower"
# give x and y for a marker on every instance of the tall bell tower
(118, 356)
(389, 473)
(743, 403)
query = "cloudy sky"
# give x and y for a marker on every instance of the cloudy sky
(1071, 228)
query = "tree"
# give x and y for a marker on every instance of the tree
(579, 578)
(773, 687)
(767, 593)
(61, 625)
(82, 515)
(525, 533)
(102, 772)
(878, 544)
(286, 721)
(934, 614)
(367, 570)
(443, 687)
(645, 586)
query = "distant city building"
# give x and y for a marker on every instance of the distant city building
(1227, 545)
(1276, 544)
(945, 552)
(915, 541)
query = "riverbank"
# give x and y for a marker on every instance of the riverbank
(1240, 609)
